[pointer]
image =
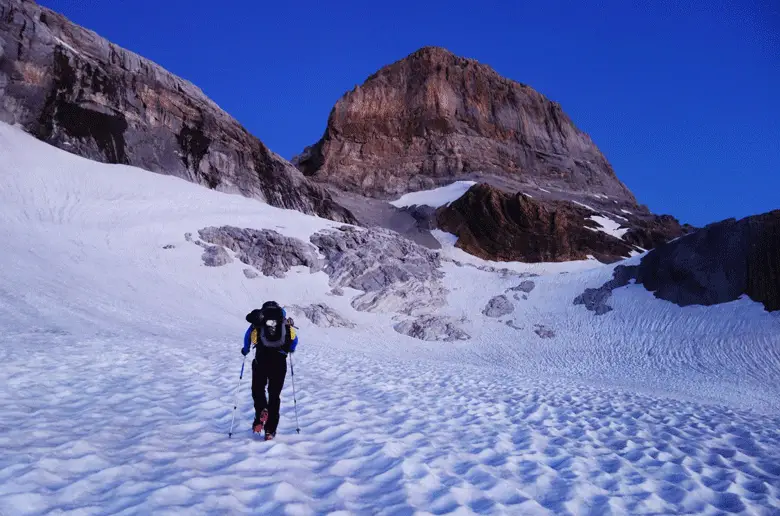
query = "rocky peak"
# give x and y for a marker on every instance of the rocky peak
(77, 91)
(434, 117)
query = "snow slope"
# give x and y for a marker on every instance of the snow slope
(436, 197)
(119, 361)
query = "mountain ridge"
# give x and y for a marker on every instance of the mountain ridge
(76, 90)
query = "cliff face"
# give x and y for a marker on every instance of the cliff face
(74, 89)
(718, 264)
(434, 117)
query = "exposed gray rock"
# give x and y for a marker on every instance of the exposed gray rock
(543, 331)
(251, 273)
(188, 237)
(595, 299)
(169, 246)
(718, 264)
(73, 89)
(268, 251)
(336, 291)
(499, 306)
(372, 259)
(526, 286)
(512, 324)
(216, 256)
(413, 297)
(322, 315)
(433, 328)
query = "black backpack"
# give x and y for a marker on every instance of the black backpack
(270, 323)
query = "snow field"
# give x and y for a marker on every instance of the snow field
(119, 362)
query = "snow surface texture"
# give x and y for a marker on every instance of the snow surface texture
(119, 364)
(436, 197)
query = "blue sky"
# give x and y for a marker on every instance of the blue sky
(684, 101)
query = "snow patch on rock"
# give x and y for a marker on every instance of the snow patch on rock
(216, 256)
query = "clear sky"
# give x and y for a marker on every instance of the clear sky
(684, 101)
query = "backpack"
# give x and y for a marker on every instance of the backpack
(270, 325)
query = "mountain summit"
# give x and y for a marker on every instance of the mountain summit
(433, 117)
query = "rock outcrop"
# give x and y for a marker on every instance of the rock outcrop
(268, 251)
(495, 225)
(498, 306)
(413, 297)
(371, 260)
(216, 256)
(322, 315)
(434, 117)
(650, 232)
(395, 274)
(713, 265)
(595, 299)
(526, 286)
(433, 328)
(719, 263)
(77, 91)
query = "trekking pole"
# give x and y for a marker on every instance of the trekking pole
(235, 402)
(295, 401)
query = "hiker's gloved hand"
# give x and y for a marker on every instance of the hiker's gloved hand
(244, 351)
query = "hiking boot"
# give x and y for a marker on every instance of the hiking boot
(269, 437)
(259, 423)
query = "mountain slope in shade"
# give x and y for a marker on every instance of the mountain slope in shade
(496, 225)
(434, 117)
(73, 89)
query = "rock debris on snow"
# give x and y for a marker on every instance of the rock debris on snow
(216, 256)
(595, 299)
(512, 324)
(372, 259)
(251, 273)
(433, 328)
(526, 286)
(543, 331)
(499, 306)
(322, 315)
(267, 250)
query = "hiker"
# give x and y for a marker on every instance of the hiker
(272, 334)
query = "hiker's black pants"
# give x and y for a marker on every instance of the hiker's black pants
(268, 369)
